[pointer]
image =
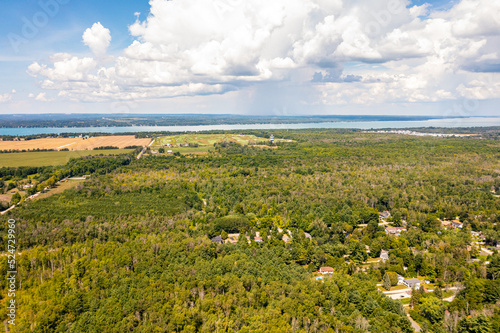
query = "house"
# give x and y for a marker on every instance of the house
(456, 224)
(384, 255)
(285, 238)
(400, 279)
(169, 152)
(444, 224)
(326, 270)
(412, 283)
(217, 240)
(232, 238)
(394, 230)
(258, 239)
(385, 214)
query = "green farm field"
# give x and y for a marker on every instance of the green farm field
(46, 158)
(207, 139)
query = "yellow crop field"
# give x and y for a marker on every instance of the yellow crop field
(120, 141)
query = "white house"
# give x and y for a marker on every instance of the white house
(412, 283)
(384, 255)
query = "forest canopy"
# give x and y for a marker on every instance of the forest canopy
(131, 249)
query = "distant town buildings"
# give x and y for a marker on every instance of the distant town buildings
(407, 132)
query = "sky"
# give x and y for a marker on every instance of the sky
(279, 57)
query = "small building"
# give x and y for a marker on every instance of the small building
(385, 214)
(232, 238)
(412, 283)
(384, 255)
(326, 270)
(400, 279)
(285, 238)
(445, 224)
(394, 230)
(456, 224)
(272, 138)
(258, 239)
(169, 152)
(217, 240)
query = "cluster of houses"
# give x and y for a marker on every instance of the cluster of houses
(180, 145)
(453, 224)
(233, 238)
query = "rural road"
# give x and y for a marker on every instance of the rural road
(144, 149)
(384, 222)
(414, 324)
(5, 211)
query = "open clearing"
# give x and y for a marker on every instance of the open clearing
(60, 187)
(46, 158)
(207, 139)
(6, 197)
(120, 141)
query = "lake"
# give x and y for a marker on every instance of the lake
(366, 125)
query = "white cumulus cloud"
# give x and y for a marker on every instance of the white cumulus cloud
(97, 38)
(359, 52)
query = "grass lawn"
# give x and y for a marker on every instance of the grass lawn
(373, 260)
(46, 158)
(398, 287)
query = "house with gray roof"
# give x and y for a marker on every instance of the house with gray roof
(412, 283)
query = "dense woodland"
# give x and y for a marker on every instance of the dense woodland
(130, 249)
